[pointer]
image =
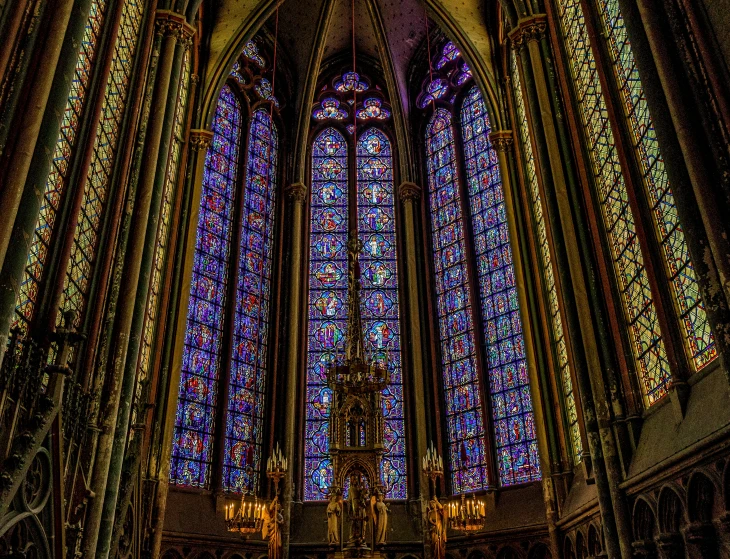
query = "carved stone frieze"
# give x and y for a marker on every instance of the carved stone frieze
(200, 139)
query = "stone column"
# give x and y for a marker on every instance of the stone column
(602, 445)
(28, 123)
(702, 541)
(503, 141)
(200, 141)
(170, 26)
(297, 192)
(409, 194)
(670, 546)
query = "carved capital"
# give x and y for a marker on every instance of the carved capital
(297, 192)
(171, 24)
(200, 139)
(409, 191)
(528, 29)
(501, 140)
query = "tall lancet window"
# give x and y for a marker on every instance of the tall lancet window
(480, 328)
(327, 300)
(352, 171)
(638, 284)
(227, 343)
(381, 323)
(198, 398)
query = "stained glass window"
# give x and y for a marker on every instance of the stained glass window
(327, 300)
(251, 51)
(194, 422)
(265, 90)
(351, 81)
(628, 261)
(449, 53)
(56, 183)
(461, 380)
(329, 109)
(548, 273)
(244, 422)
(514, 423)
(381, 322)
(373, 109)
(163, 228)
(699, 341)
(96, 187)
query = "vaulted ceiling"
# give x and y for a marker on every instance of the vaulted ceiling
(311, 32)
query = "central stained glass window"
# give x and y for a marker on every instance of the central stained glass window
(375, 203)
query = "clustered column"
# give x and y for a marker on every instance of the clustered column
(297, 192)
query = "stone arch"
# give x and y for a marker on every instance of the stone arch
(595, 544)
(540, 551)
(204, 555)
(726, 485)
(507, 552)
(477, 554)
(701, 498)
(644, 521)
(671, 513)
(581, 551)
(171, 554)
(568, 552)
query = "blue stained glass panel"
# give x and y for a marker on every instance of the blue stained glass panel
(462, 391)
(381, 320)
(327, 301)
(516, 442)
(247, 382)
(194, 421)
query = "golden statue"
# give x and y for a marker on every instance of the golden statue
(437, 523)
(271, 529)
(380, 516)
(334, 514)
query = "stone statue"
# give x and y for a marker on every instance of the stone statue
(380, 514)
(271, 529)
(437, 523)
(357, 511)
(334, 512)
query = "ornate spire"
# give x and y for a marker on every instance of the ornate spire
(354, 347)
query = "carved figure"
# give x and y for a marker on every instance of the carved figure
(357, 510)
(380, 514)
(271, 529)
(334, 512)
(436, 514)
